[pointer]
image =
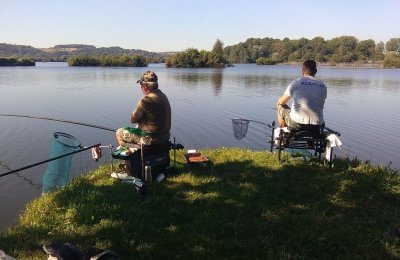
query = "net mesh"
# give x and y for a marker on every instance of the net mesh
(240, 127)
(57, 173)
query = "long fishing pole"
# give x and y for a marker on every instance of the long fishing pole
(61, 120)
(255, 121)
(48, 160)
(332, 131)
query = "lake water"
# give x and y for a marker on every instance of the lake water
(362, 104)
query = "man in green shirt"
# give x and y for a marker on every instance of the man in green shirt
(152, 113)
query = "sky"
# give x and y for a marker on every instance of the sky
(175, 25)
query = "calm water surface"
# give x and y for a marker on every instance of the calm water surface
(362, 104)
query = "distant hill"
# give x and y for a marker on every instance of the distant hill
(63, 51)
(77, 46)
(7, 50)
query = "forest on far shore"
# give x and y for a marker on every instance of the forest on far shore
(263, 51)
(343, 49)
(269, 51)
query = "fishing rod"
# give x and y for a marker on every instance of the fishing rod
(61, 120)
(273, 125)
(255, 121)
(332, 131)
(49, 160)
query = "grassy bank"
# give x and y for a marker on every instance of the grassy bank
(243, 205)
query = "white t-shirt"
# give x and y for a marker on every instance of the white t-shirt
(309, 96)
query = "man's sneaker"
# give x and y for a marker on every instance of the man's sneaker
(120, 175)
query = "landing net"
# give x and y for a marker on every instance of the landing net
(240, 127)
(57, 173)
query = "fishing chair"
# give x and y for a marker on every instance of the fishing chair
(156, 156)
(308, 138)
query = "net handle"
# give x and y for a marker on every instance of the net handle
(48, 160)
(255, 121)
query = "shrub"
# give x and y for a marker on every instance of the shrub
(266, 61)
(392, 60)
(109, 61)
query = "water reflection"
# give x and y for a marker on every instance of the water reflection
(4, 168)
(391, 85)
(348, 85)
(186, 78)
(265, 81)
(216, 79)
(199, 78)
(361, 105)
(37, 186)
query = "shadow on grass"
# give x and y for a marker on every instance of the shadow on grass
(231, 210)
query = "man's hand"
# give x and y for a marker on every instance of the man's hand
(281, 102)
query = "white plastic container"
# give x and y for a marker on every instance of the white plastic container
(160, 177)
(148, 178)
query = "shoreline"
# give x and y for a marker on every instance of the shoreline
(324, 65)
(242, 199)
(355, 65)
(344, 65)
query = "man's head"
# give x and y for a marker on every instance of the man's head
(149, 79)
(309, 68)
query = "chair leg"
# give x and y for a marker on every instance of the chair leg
(272, 140)
(280, 149)
(280, 144)
(330, 157)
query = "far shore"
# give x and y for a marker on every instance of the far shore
(355, 65)
(346, 65)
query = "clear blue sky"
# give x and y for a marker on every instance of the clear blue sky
(174, 25)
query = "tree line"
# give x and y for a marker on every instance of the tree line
(343, 49)
(269, 51)
(16, 62)
(193, 58)
(63, 52)
(190, 58)
(109, 60)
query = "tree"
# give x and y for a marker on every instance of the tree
(393, 44)
(237, 53)
(108, 61)
(343, 48)
(379, 51)
(320, 47)
(392, 60)
(190, 58)
(380, 48)
(216, 56)
(282, 50)
(366, 49)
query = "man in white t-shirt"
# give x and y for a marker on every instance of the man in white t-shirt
(309, 96)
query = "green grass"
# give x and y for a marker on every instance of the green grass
(243, 205)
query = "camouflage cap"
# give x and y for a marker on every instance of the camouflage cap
(150, 78)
